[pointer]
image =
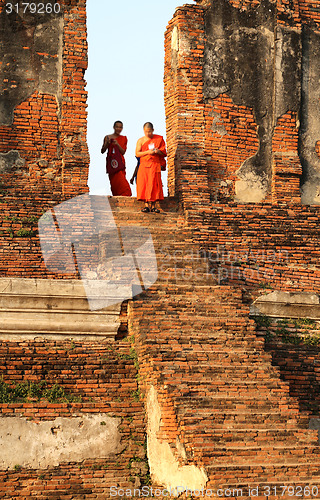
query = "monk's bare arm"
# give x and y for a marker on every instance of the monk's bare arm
(135, 173)
(105, 145)
(140, 153)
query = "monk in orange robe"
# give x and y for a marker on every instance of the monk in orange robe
(151, 150)
(118, 181)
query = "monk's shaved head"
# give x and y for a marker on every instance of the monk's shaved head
(148, 125)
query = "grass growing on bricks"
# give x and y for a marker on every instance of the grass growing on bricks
(26, 391)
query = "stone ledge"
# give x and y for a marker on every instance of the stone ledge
(287, 305)
(52, 309)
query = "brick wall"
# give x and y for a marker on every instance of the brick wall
(44, 161)
(261, 246)
(184, 105)
(105, 377)
(43, 150)
(48, 129)
(236, 124)
(294, 346)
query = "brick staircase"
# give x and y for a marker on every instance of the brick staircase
(218, 392)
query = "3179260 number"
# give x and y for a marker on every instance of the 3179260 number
(33, 8)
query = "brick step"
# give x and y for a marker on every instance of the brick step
(167, 258)
(281, 455)
(266, 397)
(160, 226)
(223, 294)
(202, 301)
(224, 386)
(237, 371)
(173, 278)
(219, 291)
(235, 394)
(163, 229)
(188, 272)
(209, 330)
(277, 488)
(176, 276)
(187, 297)
(198, 363)
(148, 217)
(194, 320)
(136, 210)
(201, 348)
(184, 365)
(131, 202)
(188, 307)
(219, 357)
(163, 331)
(250, 474)
(205, 303)
(272, 383)
(207, 339)
(231, 370)
(216, 403)
(239, 420)
(179, 275)
(219, 389)
(264, 478)
(261, 436)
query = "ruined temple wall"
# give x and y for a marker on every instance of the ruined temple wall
(257, 98)
(77, 445)
(261, 247)
(43, 124)
(43, 148)
(87, 432)
(185, 107)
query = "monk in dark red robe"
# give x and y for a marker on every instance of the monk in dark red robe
(118, 181)
(151, 150)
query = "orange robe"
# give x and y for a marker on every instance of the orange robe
(149, 185)
(119, 184)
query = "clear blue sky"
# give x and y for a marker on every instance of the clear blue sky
(125, 76)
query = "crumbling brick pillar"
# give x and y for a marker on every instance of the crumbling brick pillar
(43, 149)
(244, 111)
(44, 157)
(185, 107)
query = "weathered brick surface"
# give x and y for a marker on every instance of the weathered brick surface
(286, 166)
(294, 346)
(45, 155)
(217, 389)
(104, 376)
(235, 118)
(261, 246)
(185, 107)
